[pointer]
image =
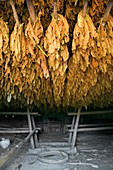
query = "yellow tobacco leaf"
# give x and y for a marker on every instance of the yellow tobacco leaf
(1, 40)
(20, 87)
(94, 63)
(91, 27)
(86, 37)
(80, 20)
(64, 53)
(45, 69)
(8, 86)
(19, 1)
(4, 36)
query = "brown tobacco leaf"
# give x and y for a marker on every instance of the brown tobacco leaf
(4, 48)
(97, 10)
(109, 30)
(34, 32)
(102, 41)
(4, 36)
(94, 63)
(81, 76)
(17, 44)
(104, 38)
(4, 57)
(34, 36)
(91, 27)
(81, 33)
(13, 62)
(55, 43)
(37, 73)
(56, 34)
(20, 1)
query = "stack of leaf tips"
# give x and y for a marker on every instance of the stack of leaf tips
(49, 66)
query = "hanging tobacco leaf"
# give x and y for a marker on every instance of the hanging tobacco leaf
(55, 43)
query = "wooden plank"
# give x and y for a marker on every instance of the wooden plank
(92, 129)
(95, 129)
(13, 131)
(96, 125)
(72, 126)
(75, 130)
(19, 113)
(30, 128)
(93, 125)
(35, 134)
(91, 112)
(19, 129)
(13, 152)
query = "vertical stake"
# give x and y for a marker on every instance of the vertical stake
(31, 10)
(108, 9)
(35, 135)
(85, 8)
(72, 126)
(14, 11)
(30, 128)
(55, 9)
(75, 129)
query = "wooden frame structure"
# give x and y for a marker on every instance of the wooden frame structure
(31, 130)
(74, 127)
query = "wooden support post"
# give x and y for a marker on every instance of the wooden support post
(30, 129)
(75, 130)
(31, 10)
(72, 126)
(85, 8)
(35, 134)
(55, 9)
(108, 9)
(14, 11)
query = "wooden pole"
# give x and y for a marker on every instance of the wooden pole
(14, 11)
(108, 9)
(14, 131)
(94, 129)
(19, 113)
(93, 125)
(72, 126)
(90, 129)
(31, 10)
(91, 112)
(30, 128)
(15, 151)
(35, 134)
(23, 142)
(85, 8)
(75, 130)
(55, 9)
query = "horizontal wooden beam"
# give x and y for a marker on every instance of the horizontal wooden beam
(92, 129)
(19, 113)
(92, 125)
(16, 130)
(14, 151)
(91, 112)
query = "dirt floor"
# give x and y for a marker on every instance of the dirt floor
(94, 151)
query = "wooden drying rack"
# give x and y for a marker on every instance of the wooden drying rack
(74, 127)
(31, 130)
